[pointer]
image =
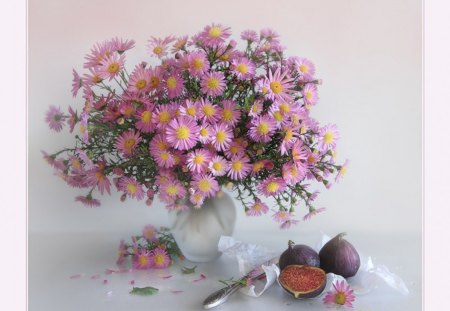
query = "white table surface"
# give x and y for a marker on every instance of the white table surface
(54, 258)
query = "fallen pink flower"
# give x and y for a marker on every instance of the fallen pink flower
(202, 277)
(76, 276)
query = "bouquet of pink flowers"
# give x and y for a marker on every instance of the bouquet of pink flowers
(208, 115)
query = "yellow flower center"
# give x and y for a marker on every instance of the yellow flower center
(198, 159)
(212, 83)
(183, 132)
(146, 117)
(276, 87)
(311, 159)
(164, 117)
(164, 155)
(328, 138)
(204, 185)
(227, 115)
(197, 64)
(76, 163)
(294, 171)
(159, 259)
(157, 50)
(100, 177)
(303, 68)
(225, 57)
(242, 68)
(143, 260)
(220, 136)
(218, 166)
(257, 207)
(340, 298)
(191, 111)
(154, 82)
(204, 132)
(141, 84)
(285, 108)
(234, 149)
(129, 143)
(272, 186)
(208, 110)
(343, 170)
(172, 190)
(215, 32)
(263, 128)
(162, 145)
(237, 166)
(258, 166)
(131, 188)
(113, 68)
(278, 116)
(288, 134)
(264, 90)
(171, 83)
(308, 95)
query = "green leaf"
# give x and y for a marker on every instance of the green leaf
(187, 270)
(144, 291)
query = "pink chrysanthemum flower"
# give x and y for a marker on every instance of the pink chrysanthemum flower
(208, 111)
(96, 177)
(305, 69)
(92, 78)
(221, 136)
(197, 199)
(342, 171)
(189, 109)
(162, 116)
(88, 200)
(149, 233)
(182, 133)
(111, 66)
(293, 173)
(55, 118)
(119, 45)
(121, 253)
(328, 135)
(158, 47)
(277, 86)
(218, 166)
(300, 152)
(131, 187)
(174, 85)
(310, 95)
(313, 212)
(269, 34)
(155, 78)
(139, 81)
(262, 128)
(213, 83)
(165, 158)
(198, 63)
(72, 120)
(198, 160)
(236, 148)
(271, 186)
(77, 82)
(282, 216)
(342, 295)
(127, 142)
(256, 109)
(215, 34)
(290, 136)
(288, 223)
(230, 113)
(158, 144)
(171, 191)
(144, 119)
(143, 259)
(179, 44)
(243, 68)
(160, 258)
(239, 167)
(257, 209)
(98, 53)
(204, 134)
(205, 184)
(249, 35)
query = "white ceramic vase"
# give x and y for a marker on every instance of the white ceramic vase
(197, 231)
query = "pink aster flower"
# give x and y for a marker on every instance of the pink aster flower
(243, 68)
(189, 109)
(271, 186)
(143, 259)
(288, 223)
(179, 44)
(293, 173)
(174, 85)
(88, 201)
(165, 158)
(127, 142)
(256, 109)
(76, 82)
(239, 167)
(204, 133)
(305, 69)
(342, 171)
(55, 118)
(290, 136)
(213, 83)
(236, 148)
(162, 116)
(215, 34)
(341, 295)
(198, 63)
(221, 136)
(160, 259)
(262, 128)
(300, 152)
(198, 160)
(278, 85)
(310, 95)
(149, 233)
(119, 45)
(313, 212)
(218, 166)
(197, 199)
(131, 187)
(139, 81)
(158, 144)
(257, 209)
(96, 177)
(121, 253)
(230, 113)
(171, 191)
(182, 133)
(155, 78)
(144, 119)
(159, 47)
(111, 66)
(328, 135)
(208, 111)
(269, 34)
(282, 216)
(72, 120)
(249, 35)
(205, 184)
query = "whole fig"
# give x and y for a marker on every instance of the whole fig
(299, 255)
(339, 257)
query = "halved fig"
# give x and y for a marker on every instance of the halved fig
(303, 281)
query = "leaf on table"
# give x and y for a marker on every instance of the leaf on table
(187, 270)
(144, 291)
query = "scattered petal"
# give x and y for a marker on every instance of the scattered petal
(132, 282)
(166, 277)
(105, 282)
(76, 276)
(144, 291)
(95, 276)
(111, 271)
(202, 277)
(176, 291)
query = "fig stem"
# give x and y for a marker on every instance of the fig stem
(291, 244)
(341, 235)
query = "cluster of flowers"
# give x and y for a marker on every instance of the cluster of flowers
(154, 249)
(207, 115)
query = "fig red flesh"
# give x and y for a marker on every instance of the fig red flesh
(303, 281)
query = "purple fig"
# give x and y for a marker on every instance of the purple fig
(299, 255)
(303, 281)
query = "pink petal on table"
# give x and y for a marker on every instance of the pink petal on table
(202, 277)
(105, 282)
(176, 291)
(166, 277)
(111, 271)
(95, 276)
(132, 282)
(76, 276)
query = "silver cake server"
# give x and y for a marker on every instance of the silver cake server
(221, 295)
